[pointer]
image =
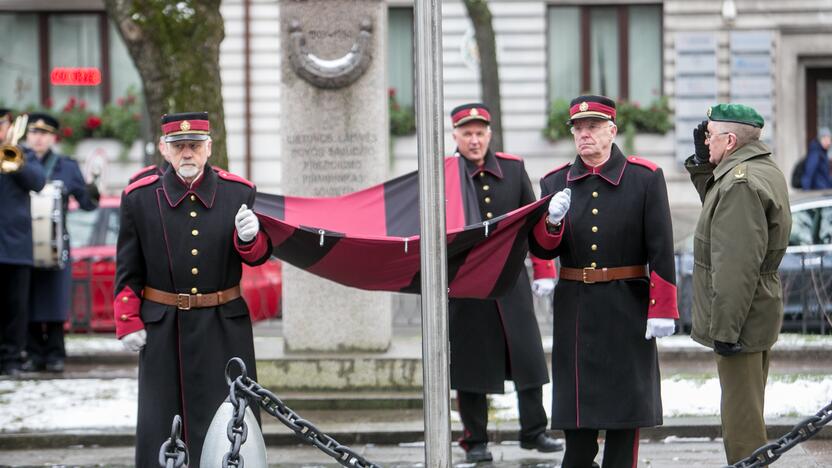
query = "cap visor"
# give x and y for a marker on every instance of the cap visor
(470, 118)
(186, 136)
(588, 115)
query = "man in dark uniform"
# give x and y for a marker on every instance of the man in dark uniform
(496, 340)
(183, 238)
(15, 252)
(609, 222)
(50, 289)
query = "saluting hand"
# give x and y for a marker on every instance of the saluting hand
(701, 153)
(247, 224)
(559, 205)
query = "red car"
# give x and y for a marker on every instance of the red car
(93, 237)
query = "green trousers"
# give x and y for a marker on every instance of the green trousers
(743, 380)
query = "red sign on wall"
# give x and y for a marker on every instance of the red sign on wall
(75, 76)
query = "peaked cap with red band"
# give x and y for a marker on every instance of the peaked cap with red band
(465, 113)
(186, 126)
(591, 106)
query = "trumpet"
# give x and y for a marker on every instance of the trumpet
(11, 156)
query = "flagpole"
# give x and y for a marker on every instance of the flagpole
(430, 146)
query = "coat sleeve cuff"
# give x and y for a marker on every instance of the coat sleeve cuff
(543, 268)
(544, 238)
(662, 298)
(252, 251)
(126, 308)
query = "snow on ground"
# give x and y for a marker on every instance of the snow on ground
(787, 396)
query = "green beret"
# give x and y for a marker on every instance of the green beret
(736, 113)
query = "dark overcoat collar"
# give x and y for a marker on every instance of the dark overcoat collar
(611, 171)
(205, 188)
(491, 165)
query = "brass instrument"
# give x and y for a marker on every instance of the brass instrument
(11, 157)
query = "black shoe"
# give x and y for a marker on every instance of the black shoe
(33, 365)
(542, 443)
(478, 453)
(55, 366)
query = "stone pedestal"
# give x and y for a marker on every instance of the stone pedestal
(335, 135)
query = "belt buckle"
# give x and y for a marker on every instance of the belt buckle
(186, 298)
(585, 272)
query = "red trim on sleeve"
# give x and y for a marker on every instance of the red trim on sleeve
(141, 183)
(643, 162)
(543, 268)
(544, 238)
(662, 298)
(234, 178)
(512, 157)
(253, 251)
(126, 308)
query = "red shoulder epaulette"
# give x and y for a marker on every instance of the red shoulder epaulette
(508, 156)
(566, 164)
(233, 177)
(643, 162)
(144, 169)
(141, 183)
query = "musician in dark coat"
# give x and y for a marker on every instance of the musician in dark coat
(183, 239)
(496, 340)
(51, 287)
(15, 252)
(609, 222)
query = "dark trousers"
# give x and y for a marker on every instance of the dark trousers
(473, 410)
(620, 448)
(14, 297)
(46, 342)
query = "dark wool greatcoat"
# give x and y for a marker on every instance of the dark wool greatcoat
(49, 293)
(605, 374)
(497, 340)
(16, 216)
(183, 240)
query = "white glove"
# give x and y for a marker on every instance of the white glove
(135, 341)
(659, 327)
(247, 224)
(543, 287)
(559, 205)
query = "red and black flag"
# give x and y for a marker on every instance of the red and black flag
(370, 239)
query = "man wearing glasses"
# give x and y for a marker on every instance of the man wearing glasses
(609, 222)
(741, 236)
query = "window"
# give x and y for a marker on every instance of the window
(611, 50)
(36, 44)
(400, 54)
(812, 226)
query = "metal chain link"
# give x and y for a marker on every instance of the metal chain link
(243, 387)
(173, 453)
(805, 430)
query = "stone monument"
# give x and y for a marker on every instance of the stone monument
(334, 140)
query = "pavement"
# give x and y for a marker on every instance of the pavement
(388, 427)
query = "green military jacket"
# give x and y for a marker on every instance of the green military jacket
(740, 238)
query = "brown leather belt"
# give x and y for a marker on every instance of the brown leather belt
(192, 301)
(591, 275)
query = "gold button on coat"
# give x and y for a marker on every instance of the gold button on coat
(593, 264)
(125, 299)
(486, 187)
(193, 197)
(594, 247)
(194, 271)
(652, 302)
(124, 317)
(487, 199)
(195, 232)
(193, 214)
(193, 290)
(482, 174)
(594, 228)
(194, 252)
(594, 194)
(489, 215)
(595, 211)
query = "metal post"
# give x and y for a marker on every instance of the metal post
(430, 145)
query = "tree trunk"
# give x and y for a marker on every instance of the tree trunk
(176, 48)
(480, 16)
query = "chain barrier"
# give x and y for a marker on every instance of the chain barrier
(805, 430)
(243, 387)
(173, 453)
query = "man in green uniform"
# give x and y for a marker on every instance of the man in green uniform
(740, 238)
